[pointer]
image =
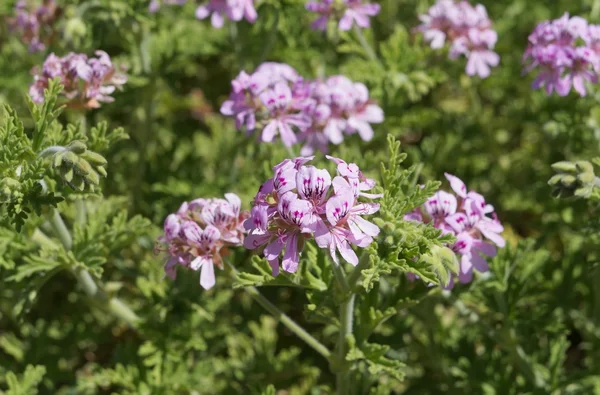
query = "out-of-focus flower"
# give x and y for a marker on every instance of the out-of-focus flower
(468, 30)
(87, 81)
(35, 24)
(277, 100)
(467, 216)
(218, 10)
(566, 53)
(302, 202)
(345, 12)
(199, 233)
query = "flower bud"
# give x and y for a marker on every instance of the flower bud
(564, 167)
(94, 158)
(77, 146)
(584, 167)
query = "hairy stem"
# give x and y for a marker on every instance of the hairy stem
(285, 320)
(346, 316)
(363, 263)
(110, 304)
(366, 46)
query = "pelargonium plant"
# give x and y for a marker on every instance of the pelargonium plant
(303, 202)
(468, 217)
(218, 10)
(469, 31)
(34, 23)
(566, 52)
(87, 82)
(199, 234)
(346, 13)
(278, 102)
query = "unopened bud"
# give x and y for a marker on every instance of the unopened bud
(66, 174)
(94, 158)
(568, 180)
(565, 167)
(77, 146)
(584, 166)
(586, 178)
(102, 171)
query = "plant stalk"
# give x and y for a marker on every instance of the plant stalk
(366, 46)
(109, 303)
(285, 320)
(346, 316)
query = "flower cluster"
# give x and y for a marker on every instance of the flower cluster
(467, 216)
(347, 12)
(301, 202)
(567, 53)
(87, 81)
(277, 101)
(198, 234)
(234, 10)
(35, 24)
(469, 31)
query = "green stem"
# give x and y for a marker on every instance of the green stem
(365, 44)
(60, 229)
(285, 320)
(111, 304)
(363, 263)
(346, 323)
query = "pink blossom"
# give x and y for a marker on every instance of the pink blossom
(316, 113)
(35, 25)
(566, 54)
(470, 218)
(298, 204)
(468, 30)
(235, 10)
(87, 81)
(199, 233)
(346, 12)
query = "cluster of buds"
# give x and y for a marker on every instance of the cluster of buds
(573, 179)
(469, 31)
(77, 166)
(566, 51)
(218, 10)
(35, 24)
(467, 216)
(199, 233)
(302, 202)
(345, 12)
(277, 101)
(87, 81)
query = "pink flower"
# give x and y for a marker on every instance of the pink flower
(298, 204)
(276, 99)
(347, 12)
(347, 226)
(87, 81)
(35, 25)
(198, 234)
(465, 216)
(467, 28)
(235, 10)
(566, 53)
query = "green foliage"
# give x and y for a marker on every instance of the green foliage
(81, 199)
(27, 383)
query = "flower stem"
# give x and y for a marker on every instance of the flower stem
(284, 319)
(357, 272)
(346, 323)
(365, 44)
(111, 304)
